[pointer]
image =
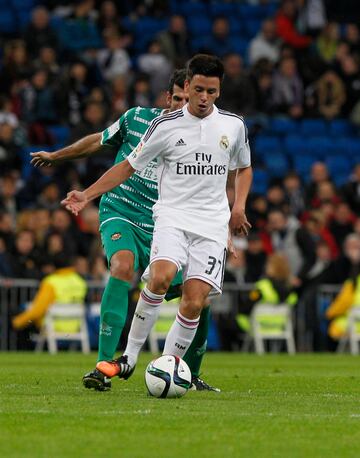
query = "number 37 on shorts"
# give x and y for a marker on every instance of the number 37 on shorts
(197, 256)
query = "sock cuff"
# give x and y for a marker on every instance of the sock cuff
(152, 298)
(186, 322)
(116, 283)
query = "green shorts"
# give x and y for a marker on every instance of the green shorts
(119, 235)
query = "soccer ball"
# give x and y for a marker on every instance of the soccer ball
(167, 377)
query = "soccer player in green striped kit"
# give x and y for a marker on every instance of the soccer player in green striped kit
(126, 228)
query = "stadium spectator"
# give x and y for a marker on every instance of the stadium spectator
(312, 16)
(266, 44)
(276, 198)
(348, 264)
(156, 65)
(79, 33)
(16, 65)
(351, 190)
(257, 211)
(5, 260)
(174, 42)
(317, 226)
(63, 286)
(339, 309)
(6, 114)
(49, 197)
(71, 91)
(140, 92)
(26, 258)
(326, 97)
(119, 103)
(38, 107)
(294, 192)
(48, 60)
(350, 74)
(237, 93)
(325, 193)
(113, 59)
(327, 42)
(39, 32)
(7, 226)
(352, 37)
(287, 236)
(220, 43)
(108, 17)
(261, 76)
(9, 201)
(286, 26)
(318, 173)
(275, 289)
(287, 89)
(9, 151)
(255, 257)
(61, 224)
(342, 223)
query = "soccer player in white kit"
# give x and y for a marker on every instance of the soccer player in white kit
(195, 148)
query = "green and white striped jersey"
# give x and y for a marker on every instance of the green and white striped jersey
(133, 200)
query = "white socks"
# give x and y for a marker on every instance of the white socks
(180, 336)
(146, 313)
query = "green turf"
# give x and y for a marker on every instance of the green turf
(271, 406)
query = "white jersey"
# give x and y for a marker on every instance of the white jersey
(194, 156)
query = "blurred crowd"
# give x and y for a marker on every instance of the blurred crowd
(80, 65)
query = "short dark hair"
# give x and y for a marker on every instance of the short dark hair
(178, 78)
(206, 65)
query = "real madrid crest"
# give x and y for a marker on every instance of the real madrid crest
(224, 142)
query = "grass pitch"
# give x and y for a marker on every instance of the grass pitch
(271, 406)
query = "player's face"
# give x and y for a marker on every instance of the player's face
(177, 99)
(202, 91)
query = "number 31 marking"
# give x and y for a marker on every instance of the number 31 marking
(212, 263)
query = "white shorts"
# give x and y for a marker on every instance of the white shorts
(197, 256)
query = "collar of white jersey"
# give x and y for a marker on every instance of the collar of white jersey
(191, 116)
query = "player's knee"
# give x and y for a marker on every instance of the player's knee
(159, 284)
(191, 307)
(122, 269)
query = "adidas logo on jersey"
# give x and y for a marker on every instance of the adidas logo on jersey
(180, 142)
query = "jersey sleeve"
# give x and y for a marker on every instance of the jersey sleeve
(241, 156)
(114, 135)
(151, 146)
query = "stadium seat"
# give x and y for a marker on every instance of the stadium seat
(199, 26)
(7, 21)
(313, 127)
(341, 127)
(260, 181)
(200, 43)
(248, 12)
(273, 323)
(193, 9)
(239, 45)
(295, 145)
(265, 144)
(276, 163)
(283, 126)
(338, 165)
(236, 26)
(58, 322)
(60, 133)
(222, 9)
(302, 164)
(150, 26)
(253, 27)
(321, 147)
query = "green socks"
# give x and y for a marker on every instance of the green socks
(195, 353)
(114, 308)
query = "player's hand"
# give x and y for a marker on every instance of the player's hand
(75, 201)
(42, 159)
(231, 248)
(239, 224)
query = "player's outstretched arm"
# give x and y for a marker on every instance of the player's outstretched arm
(82, 148)
(238, 221)
(75, 201)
